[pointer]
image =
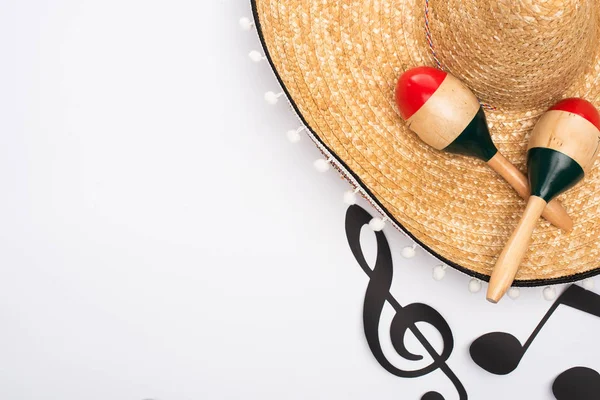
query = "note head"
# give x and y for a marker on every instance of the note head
(578, 383)
(497, 352)
(432, 396)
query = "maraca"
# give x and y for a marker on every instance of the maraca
(562, 148)
(446, 115)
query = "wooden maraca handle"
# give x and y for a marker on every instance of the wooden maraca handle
(554, 211)
(508, 263)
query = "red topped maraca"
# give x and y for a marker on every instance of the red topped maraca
(446, 115)
(562, 148)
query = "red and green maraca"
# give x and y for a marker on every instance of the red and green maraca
(562, 149)
(446, 115)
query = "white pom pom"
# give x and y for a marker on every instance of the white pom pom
(514, 293)
(439, 272)
(272, 98)
(409, 251)
(294, 135)
(256, 56)
(246, 24)
(377, 224)
(350, 196)
(588, 283)
(549, 293)
(321, 165)
(474, 285)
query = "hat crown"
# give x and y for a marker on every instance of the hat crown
(515, 54)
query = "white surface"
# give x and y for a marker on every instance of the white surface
(161, 238)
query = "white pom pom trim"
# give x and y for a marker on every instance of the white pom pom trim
(377, 224)
(588, 284)
(272, 98)
(256, 56)
(439, 272)
(322, 165)
(514, 293)
(350, 196)
(294, 135)
(246, 24)
(549, 293)
(474, 285)
(409, 251)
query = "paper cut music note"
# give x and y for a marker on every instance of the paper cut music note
(578, 383)
(500, 352)
(378, 293)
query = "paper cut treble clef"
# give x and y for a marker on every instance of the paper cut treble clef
(378, 292)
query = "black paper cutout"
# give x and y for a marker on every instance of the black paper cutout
(500, 352)
(432, 396)
(578, 383)
(378, 292)
(497, 352)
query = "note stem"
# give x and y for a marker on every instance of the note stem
(543, 321)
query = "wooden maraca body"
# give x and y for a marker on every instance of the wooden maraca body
(562, 148)
(446, 115)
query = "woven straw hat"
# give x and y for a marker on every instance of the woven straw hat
(339, 61)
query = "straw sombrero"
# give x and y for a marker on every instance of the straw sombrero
(338, 63)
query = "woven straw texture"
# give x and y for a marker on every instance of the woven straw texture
(339, 62)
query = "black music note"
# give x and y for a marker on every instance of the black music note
(378, 292)
(500, 352)
(578, 383)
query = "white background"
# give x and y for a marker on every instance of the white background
(161, 239)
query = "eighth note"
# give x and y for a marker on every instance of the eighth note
(500, 353)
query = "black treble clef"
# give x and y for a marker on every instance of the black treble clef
(378, 292)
